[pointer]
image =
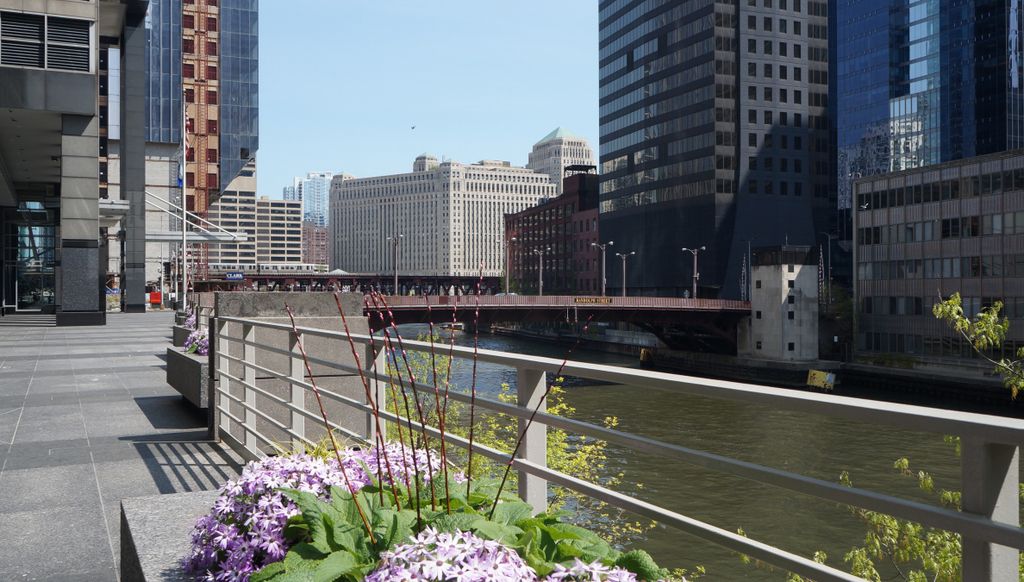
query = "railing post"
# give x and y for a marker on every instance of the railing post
(296, 371)
(374, 362)
(220, 344)
(530, 387)
(249, 375)
(990, 476)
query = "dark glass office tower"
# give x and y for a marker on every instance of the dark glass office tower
(924, 82)
(220, 53)
(714, 133)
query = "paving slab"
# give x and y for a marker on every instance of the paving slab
(86, 420)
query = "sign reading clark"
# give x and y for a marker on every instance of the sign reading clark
(592, 300)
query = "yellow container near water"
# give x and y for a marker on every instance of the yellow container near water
(821, 379)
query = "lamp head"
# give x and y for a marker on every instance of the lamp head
(702, 248)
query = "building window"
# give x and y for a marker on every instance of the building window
(211, 23)
(757, 315)
(211, 48)
(211, 97)
(211, 73)
(757, 284)
(188, 21)
(758, 345)
(188, 45)
(190, 95)
(791, 268)
(791, 315)
(791, 299)
(791, 284)
(791, 347)
(211, 180)
(188, 70)
(211, 156)
(211, 126)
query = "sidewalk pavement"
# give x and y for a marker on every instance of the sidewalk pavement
(86, 419)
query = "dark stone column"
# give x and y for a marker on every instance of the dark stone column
(79, 279)
(133, 160)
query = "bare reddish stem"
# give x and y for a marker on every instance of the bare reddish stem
(327, 424)
(381, 450)
(472, 390)
(437, 406)
(529, 423)
(394, 398)
(416, 399)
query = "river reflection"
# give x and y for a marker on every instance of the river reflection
(808, 444)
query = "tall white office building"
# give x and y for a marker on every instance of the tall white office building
(556, 151)
(314, 190)
(448, 216)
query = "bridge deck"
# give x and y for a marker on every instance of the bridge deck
(512, 302)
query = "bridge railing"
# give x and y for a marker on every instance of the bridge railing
(566, 301)
(988, 523)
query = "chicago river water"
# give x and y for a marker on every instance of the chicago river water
(803, 443)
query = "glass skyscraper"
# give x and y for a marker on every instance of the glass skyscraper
(236, 62)
(714, 133)
(924, 82)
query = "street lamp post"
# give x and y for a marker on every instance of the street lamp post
(604, 278)
(624, 256)
(396, 242)
(508, 262)
(540, 272)
(696, 274)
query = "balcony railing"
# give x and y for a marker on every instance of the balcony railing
(988, 523)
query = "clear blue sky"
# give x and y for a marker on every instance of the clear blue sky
(342, 82)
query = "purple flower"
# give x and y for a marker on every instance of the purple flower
(457, 556)
(245, 529)
(592, 572)
(198, 342)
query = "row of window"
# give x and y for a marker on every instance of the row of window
(962, 227)
(943, 268)
(767, 24)
(966, 187)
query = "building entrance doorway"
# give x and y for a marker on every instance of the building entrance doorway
(28, 243)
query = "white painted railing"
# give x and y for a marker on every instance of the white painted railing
(988, 523)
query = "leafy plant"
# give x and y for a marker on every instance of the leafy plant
(327, 538)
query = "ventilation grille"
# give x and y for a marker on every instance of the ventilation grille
(33, 40)
(18, 25)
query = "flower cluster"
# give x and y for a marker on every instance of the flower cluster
(190, 321)
(198, 342)
(245, 529)
(404, 461)
(594, 571)
(458, 556)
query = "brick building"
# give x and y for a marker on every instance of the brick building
(567, 225)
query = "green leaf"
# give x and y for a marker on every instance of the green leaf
(640, 563)
(335, 567)
(496, 531)
(511, 512)
(457, 522)
(268, 572)
(312, 515)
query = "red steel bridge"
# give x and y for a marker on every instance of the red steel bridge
(674, 320)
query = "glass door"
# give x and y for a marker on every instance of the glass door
(29, 259)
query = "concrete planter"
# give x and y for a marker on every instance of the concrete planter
(179, 335)
(189, 374)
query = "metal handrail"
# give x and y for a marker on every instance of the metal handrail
(976, 528)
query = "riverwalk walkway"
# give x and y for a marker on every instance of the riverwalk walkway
(87, 419)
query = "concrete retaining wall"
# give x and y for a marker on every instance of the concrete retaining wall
(314, 310)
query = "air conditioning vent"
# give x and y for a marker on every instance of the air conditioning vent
(67, 42)
(66, 30)
(21, 54)
(68, 58)
(19, 25)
